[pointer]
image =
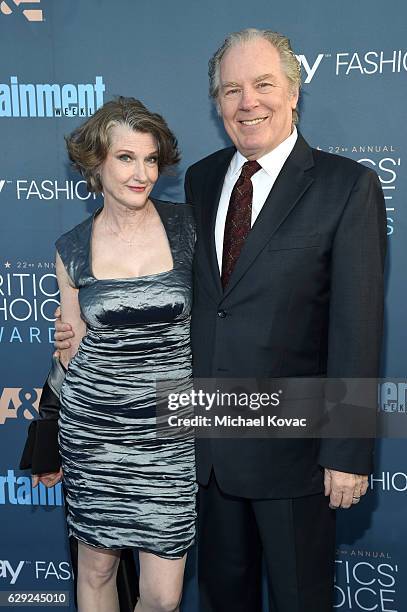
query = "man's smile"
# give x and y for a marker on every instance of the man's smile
(253, 121)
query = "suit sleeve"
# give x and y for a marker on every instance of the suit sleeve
(189, 198)
(356, 309)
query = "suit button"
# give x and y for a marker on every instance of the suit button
(221, 314)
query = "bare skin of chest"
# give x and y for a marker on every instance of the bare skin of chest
(142, 252)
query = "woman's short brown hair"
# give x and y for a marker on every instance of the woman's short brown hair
(89, 143)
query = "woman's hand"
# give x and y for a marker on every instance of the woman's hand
(67, 335)
(49, 479)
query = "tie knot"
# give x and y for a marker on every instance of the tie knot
(249, 168)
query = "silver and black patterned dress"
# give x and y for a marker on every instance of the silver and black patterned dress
(126, 487)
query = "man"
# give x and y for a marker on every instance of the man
(288, 283)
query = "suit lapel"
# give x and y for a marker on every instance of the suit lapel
(290, 185)
(213, 191)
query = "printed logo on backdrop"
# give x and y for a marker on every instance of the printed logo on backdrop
(371, 62)
(353, 63)
(388, 482)
(18, 490)
(311, 65)
(50, 99)
(366, 580)
(19, 403)
(392, 397)
(392, 416)
(46, 189)
(385, 160)
(18, 6)
(29, 295)
(13, 571)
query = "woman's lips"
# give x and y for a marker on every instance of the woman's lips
(137, 189)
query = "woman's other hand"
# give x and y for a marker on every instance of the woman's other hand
(49, 479)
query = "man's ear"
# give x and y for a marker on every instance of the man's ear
(295, 94)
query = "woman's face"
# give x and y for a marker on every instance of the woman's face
(130, 169)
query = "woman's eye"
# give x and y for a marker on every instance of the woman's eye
(124, 157)
(152, 160)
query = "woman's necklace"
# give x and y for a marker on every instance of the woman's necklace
(130, 242)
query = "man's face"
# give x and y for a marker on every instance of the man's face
(255, 98)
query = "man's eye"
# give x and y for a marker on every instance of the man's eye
(264, 85)
(231, 92)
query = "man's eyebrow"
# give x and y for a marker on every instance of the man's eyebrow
(269, 75)
(264, 76)
(229, 84)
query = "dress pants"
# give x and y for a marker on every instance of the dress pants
(296, 536)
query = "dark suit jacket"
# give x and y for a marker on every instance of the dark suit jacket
(305, 299)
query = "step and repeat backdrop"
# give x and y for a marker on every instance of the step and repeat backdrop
(59, 61)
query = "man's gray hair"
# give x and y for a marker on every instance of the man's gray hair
(289, 63)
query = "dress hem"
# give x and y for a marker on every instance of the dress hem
(160, 554)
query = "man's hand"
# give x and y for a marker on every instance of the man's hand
(49, 479)
(344, 489)
(63, 333)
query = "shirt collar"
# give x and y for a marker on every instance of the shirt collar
(269, 161)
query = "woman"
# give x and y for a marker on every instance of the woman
(125, 282)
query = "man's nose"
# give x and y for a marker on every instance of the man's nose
(248, 99)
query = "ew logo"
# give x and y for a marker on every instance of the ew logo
(29, 14)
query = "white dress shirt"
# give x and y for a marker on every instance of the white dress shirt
(263, 181)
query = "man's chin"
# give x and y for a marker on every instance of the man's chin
(251, 150)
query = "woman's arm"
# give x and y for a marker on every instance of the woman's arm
(70, 311)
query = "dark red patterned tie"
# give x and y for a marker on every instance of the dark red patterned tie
(238, 219)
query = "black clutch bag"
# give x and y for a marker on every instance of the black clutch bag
(41, 453)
